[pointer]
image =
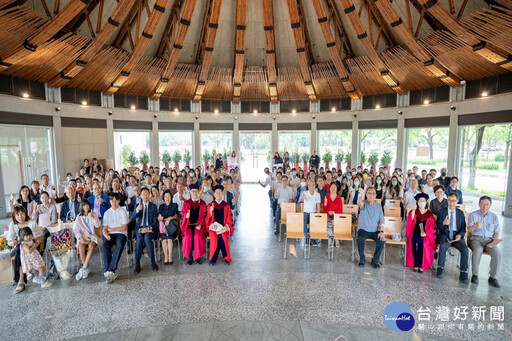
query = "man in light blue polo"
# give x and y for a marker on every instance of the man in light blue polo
(371, 219)
(485, 235)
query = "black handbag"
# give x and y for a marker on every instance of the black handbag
(172, 228)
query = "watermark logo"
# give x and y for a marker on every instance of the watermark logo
(398, 316)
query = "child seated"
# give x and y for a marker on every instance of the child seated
(31, 258)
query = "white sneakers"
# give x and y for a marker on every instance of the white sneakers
(46, 284)
(82, 273)
(109, 276)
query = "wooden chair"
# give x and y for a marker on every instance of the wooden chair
(393, 225)
(294, 229)
(392, 211)
(379, 201)
(461, 207)
(392, 203)
(343, 230)
(318, 230)
(286, 207)
(349, 209)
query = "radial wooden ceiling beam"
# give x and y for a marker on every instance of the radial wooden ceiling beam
(46, 10)
(56, 7)
(170, 28)
(100, 16)
(339, 29)
(118, 15)
(393, 19)
(5, 3)
(381, 23)
(433, 22)
(270, 48)
(47, 31)
(204, 29)
(358, 27)
(486, 50)
(333, 51)
(175, 48)
(74, 24)
(240, 26)
(207, 50)
(143, 42)
(126, 25)
(299, 35)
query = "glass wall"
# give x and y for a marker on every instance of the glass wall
(427, 148)
(26, 153)
(336, 142)
(294, 142)
(484, 159)
(378, 146)
(254, 147)
(130, 146)
(175, 144)
(216, 142)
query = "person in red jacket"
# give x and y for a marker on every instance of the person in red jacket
(193, 227)
(219, 211)
(332, 205)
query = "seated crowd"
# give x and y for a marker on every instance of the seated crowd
(431, 208)
(113, 209)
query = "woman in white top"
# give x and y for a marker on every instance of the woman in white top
(84, 228)
(156, 198)
(356, 191)
(394, 190)
(20, 219)
(232, 160)
(24, 199)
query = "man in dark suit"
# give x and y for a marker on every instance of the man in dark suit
(131, 206)
(451, 223)
(70, 207)
(99, 202)
(146, 228)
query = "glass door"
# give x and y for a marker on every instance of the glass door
(254, 149)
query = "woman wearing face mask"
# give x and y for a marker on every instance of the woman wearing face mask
(286, 160)
(394, 190)
(379, 187)
(421, 237)
(344, 189)
(300, 190)
(356, 191)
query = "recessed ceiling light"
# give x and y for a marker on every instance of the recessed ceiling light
(84, 103)
(426, 102)
(255, 112)
(132, 107)
(294, 111)
(333, 109)
(377, 106)
(25, 95)
(484, 94)
(176, 110)
(216, 111)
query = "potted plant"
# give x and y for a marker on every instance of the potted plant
(296, 159)
(386, 158)
(348, 160)
(187, 157)
(144, 159)
(176, 157)
(305, 159)
(373, 159)
(166, 158)
(327, 157)
(206, 159)
(339, 159)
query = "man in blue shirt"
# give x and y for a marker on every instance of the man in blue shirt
(453, 189)
(371, 219)
(485, 235)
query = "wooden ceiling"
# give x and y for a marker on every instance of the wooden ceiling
(310, 49)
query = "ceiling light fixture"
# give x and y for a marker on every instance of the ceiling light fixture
(84, 103)
(255, 112)
(426, 102)
(294, 111)
(484, 94)
(377, 106)
(176, 110)
(132, 107)
(216, 111)
(333, 109)
(25, 95)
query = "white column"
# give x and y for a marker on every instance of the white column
(355, 143)
(507, 211)
(110, 143)
(59, 153)
(401, 143)
(275, 137)
(236, 137)
(155, 144)
(314, 140)
(453, 156)
(196, 144)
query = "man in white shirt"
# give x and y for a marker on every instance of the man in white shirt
(410, 194)
(268, 182)
(180, 196)
(130, 188)
(115, 227)
(312, 204)
(295, 180)
(284, 194)
(46, 187)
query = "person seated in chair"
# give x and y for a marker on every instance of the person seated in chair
(451, 223)
(371, 219)
(115, 232)
(70, 207)
(219, 211)
(99, 202)
(485, 235)
(146, 229)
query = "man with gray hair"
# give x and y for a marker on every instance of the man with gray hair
(485, 236)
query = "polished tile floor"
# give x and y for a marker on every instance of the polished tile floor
(261, 296)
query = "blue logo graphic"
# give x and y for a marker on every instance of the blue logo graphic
(398, 316)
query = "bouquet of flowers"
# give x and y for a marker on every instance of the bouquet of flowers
(3, 244)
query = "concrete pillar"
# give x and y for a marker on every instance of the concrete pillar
(155, 143)
(236, 137)
(507, 210)
(314, 140)
(401, 144)
(355, 143)
(275, 138)
(453, 155)
(110, 143)
(196, 145)
(59, 153)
